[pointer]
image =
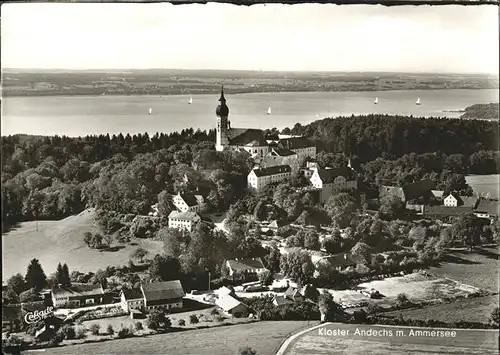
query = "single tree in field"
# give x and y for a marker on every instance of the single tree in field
(59, 274)
(87, 239)
(495, 316)
(65, 279)
(139, 254)
(35, 276)
(468, 230)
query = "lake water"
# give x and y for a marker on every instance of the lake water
(82, 115)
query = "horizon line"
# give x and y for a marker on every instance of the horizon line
(251, 70)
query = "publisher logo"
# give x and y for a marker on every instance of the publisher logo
(37, 316)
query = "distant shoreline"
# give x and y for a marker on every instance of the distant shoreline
(238, 92)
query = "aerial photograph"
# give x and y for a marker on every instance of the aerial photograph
(213, 179)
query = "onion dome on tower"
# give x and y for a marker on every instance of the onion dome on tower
(222, 110)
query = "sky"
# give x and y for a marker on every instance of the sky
(309, 37)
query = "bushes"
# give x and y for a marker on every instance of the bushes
(68, 332)
(193, 319)
(138, 326)
(94, 328)
(214, 312)
(181, 322)
(247, 351)
(81, 333)
(110, 330)
(266, 310)
(125, 333)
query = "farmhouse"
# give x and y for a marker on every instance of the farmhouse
(330, 179)
(342, 261)
(416, 191)
(293, 294)
(487, 209)
(183, 220)
(263, 180)
(188, 202)
(131, 299)
(455, 200)
(444, 211)
(77, 295)
(231, 305)
(280, 301)
(167, 295)
(248, 267)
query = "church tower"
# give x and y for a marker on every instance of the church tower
(223, 124)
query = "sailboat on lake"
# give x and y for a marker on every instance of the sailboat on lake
(418, 101)
(376, 101)
(269, 110)
(150, 110)
(190, 100)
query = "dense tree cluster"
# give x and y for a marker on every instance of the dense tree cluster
(371, 136)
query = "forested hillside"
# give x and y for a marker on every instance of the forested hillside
(53, 177)
(482, 111)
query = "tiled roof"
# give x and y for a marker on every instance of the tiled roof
(491, 207)
(328, 175)
(282, 152)
(469, 201)
(447, 211)
(282, 300)
(186, 216)
(78, 290)
(227, 302)
(190, 199)
(272, 170)
(455, 195)
(157, 291)
(418, 189)
(276, 224)
(295, 143)
(342, 259)
(245, 264)
(243, 136)
(223, 291)
(132, 294)
(437, 193)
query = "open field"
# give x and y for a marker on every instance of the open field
(478, 268)
(416, 286)
(206, 319)
(485, 184)
(471, 310)
(318, 341)
(265, 337)
(62, 241)
(166, 82)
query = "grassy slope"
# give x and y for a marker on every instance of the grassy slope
(479, 269)
(265, 337)
(61, 241)
(476, 342)
(471, 310)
